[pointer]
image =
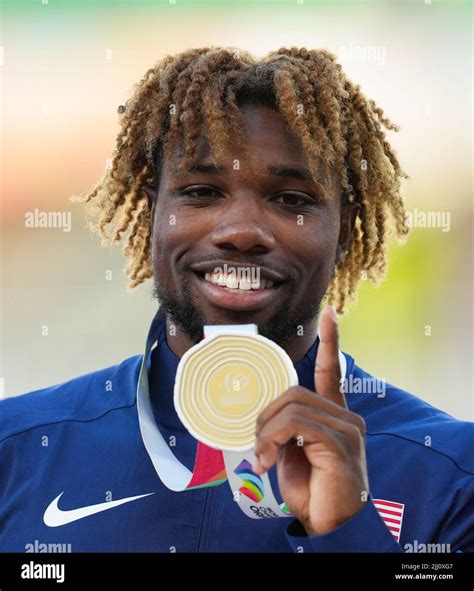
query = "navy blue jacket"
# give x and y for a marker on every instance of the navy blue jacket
(82, 439)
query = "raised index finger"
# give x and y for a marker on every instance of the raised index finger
(327, 371)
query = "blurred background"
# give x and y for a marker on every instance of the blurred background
(67, 64)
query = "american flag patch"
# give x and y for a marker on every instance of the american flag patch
(392, 515)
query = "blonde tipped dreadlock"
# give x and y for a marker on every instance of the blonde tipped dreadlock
(201, 91)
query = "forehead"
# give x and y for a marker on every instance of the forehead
(269, 141)
(264, 129)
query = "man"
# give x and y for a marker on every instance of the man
(278, 165)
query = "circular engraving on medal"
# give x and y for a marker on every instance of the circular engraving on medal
(233, 388)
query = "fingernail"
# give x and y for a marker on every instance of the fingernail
(332, 311)
(257, 467)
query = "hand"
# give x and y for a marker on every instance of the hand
(317, 443)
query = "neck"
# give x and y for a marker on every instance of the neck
(179, 342)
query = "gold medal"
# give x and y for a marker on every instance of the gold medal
(225, 381)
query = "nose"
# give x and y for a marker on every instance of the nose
(243, 228)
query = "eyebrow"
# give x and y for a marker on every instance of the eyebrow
(281, 170)
(207, 168)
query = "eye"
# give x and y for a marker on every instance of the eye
(200, 192)
(295, 199)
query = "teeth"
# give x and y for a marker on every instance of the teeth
(232, 283)
(246, 285)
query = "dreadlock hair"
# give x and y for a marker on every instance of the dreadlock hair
(202, 91)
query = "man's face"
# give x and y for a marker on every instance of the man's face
(262, 212)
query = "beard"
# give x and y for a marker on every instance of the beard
(281, 328)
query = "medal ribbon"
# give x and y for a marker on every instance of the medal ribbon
(209, 468)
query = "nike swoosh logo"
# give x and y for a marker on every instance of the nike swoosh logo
(54, 516)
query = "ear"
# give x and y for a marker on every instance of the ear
(152, 194)
(349, 213)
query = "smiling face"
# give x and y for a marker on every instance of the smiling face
(263, 215)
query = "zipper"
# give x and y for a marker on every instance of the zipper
(208, 518)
